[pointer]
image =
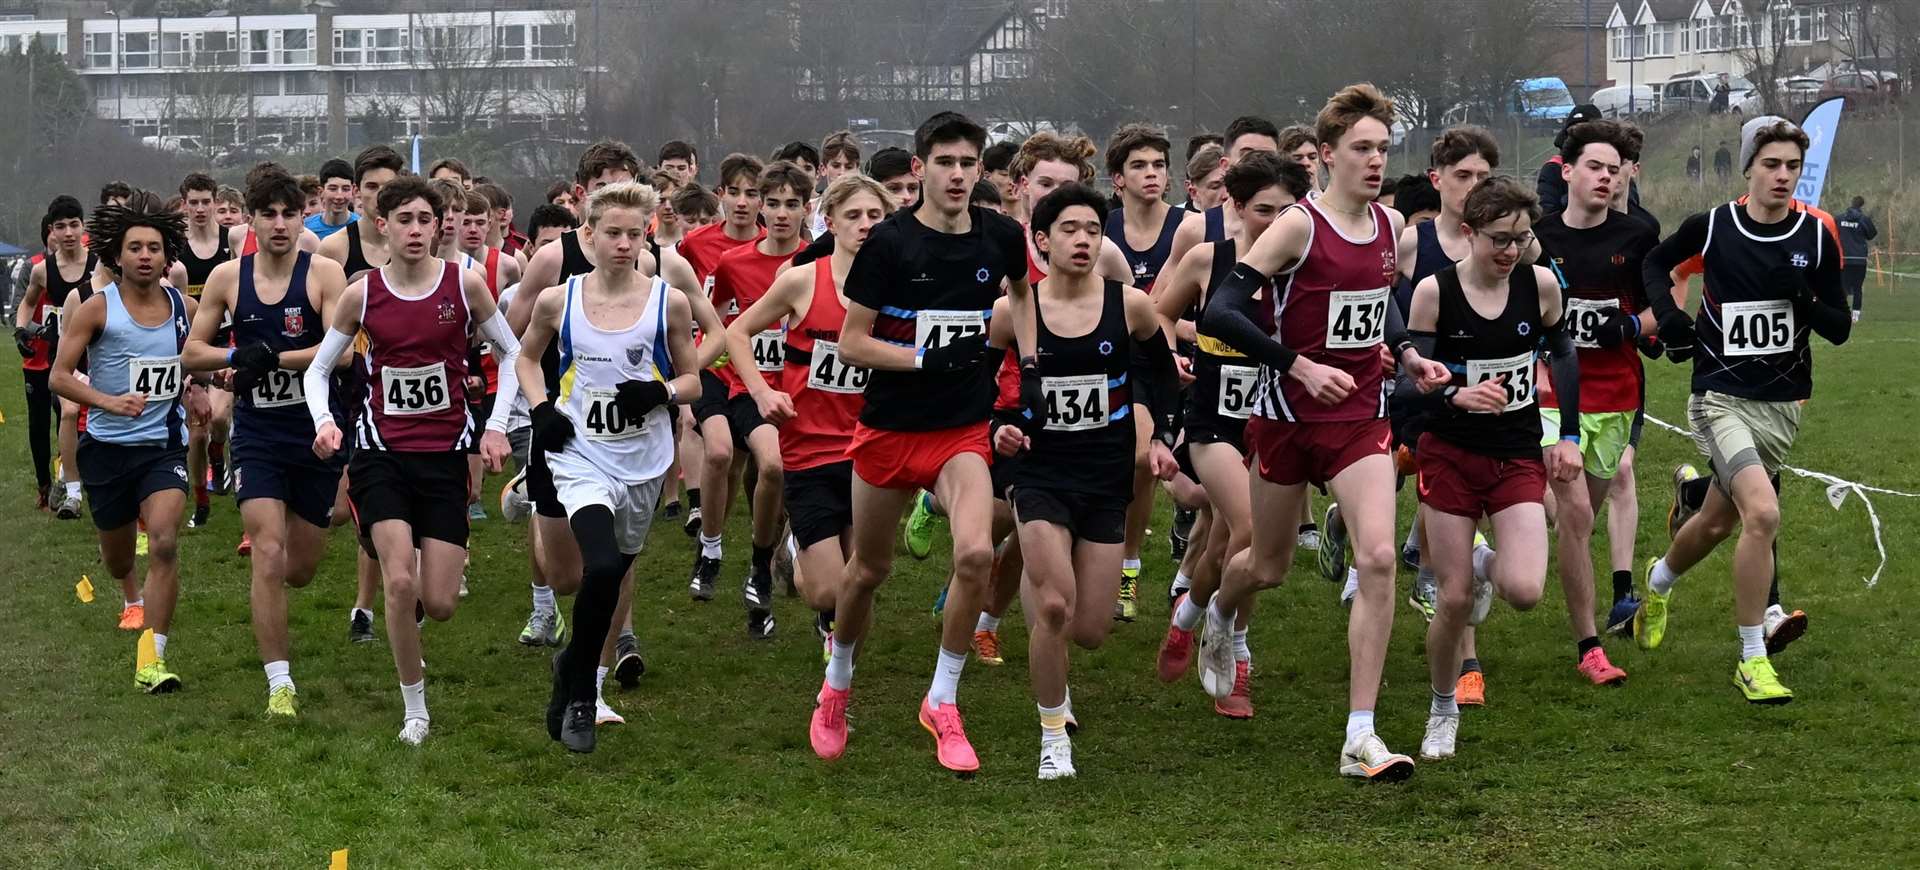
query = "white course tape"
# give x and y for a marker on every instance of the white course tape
(1837, 489)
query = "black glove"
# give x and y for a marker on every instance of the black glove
(1616, 329)
(244, 380)
(960, 353)
(1680, 354)
(636, 398)
(23, 339)
(1033, 399)
(255, 359)
(1791, 283)
(551, 429)
(1651, 347)
(1676, 331)
(223, 335)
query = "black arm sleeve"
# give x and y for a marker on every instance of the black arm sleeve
(1829, 313)
(1156, 380)
(1551, 188)
(1396, 328)
(1406, 389)
(1656, 271)
(1563, 366)
(820, 247)
(1229, 317)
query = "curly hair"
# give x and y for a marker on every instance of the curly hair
(108, 228)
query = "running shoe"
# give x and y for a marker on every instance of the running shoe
(784, 556)
(1442, 732)
(1369, 758)
(628, 666)
(576, 729)
(133, 617)
(692, 525)
(919, 530)
(1595, 667)
(604, 715)
(544, 628)
(1333, 545)
(1420, 598)
(464, 591)
(671, 509)
(1678, 513)
(476, 513)
(199, 518)
(986, 646)
(246, 545)
(705, 572)
(280, 703)
(1174, 591)
(414, 732)
(1410, 557)
(155, 679)
(1756, 680)
(823, 628)
(360, 628)
(1126, 606)
(1181, 534)
(1620, 616)
(1350, 589)
(40, 498)
(1056, 759)
(949, 737)
(1217, 666)
(1783, 628)
(940, 602)
(69, 508)
(1176, 653)
(219, 481)
(827, 727)
(1482, 600)
(514, 505)
(1650, 621)
(1238, 704)
(1309, 539)
(1471, 690)
(757, 594)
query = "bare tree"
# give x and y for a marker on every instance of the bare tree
(210, 94)
(457, 76)
(1763, 51)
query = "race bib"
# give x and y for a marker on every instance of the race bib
(604, 420)
(1584, 317)
(278, 389)
(1756, 328)
(157, 377)
(413, 391)
(1357, 318)
(768, 356)
(940, 328)
(1075, 403)
(828, 373)
(1515, 374)
(1236, 391)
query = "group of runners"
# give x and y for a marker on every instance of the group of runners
(849, 341)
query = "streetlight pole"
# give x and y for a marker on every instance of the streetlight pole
(119, 80)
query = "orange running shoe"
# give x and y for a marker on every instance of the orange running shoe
(1595, 667)
(246, 545)
(949, 737)
(828, 728)
(1471, 691)
(133, 617)
(1238, 704)
(986, 645)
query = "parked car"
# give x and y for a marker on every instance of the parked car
(1622, 101)
(1862, 90)
(1693, 92)
(1541, 101)
(175, 144)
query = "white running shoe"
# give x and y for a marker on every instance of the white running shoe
(1310, 540)
(1482, 600)
(1369, 758)
(1056, 759)
(414, 732)
(1351, 589)
(514, 505)
(463, 586)
(1442, 731)
(1216, 661)
(604, 715)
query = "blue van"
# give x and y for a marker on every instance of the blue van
(1543, 100)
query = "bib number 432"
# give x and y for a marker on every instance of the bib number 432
(1357, 318)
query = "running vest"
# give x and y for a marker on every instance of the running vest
(198, 267)
(356, 255)
(826, 391)
(275, 411)
(740, 278)
(1216, 226)
(1148, 264)
(1332, 309)
(415, 367)
(58, 287)
(1476, 348)
(131, 357)
(593, 363)
(1751, 343)
(1224, 378)
(1085, 440)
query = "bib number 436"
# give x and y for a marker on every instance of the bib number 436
(409, 391)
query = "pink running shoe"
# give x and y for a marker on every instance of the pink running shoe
(1594, 666)
(1176, 653)
(949, 736)
(828, 728)
(1238, 704)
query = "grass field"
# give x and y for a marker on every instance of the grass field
(713, 767)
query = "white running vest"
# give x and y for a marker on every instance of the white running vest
(593, 362)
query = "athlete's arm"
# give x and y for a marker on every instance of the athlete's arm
(176, 275)
(1229, 315)
(85, 324)
(1823, 301)
(1151, 366)
(1656, 270)
(1423, 318)
(541, 320)
(542, 271)
(1191, 233)
(509, 270)
(506, 349)
(1178, 292)
(685, 386)
(334, 247)
(858, 346)
(30, 299)
(1563, 367)
(1111, 264)
(1408, 251)
(869, 280)
(345, 323)
(777, 304)
(199, 354)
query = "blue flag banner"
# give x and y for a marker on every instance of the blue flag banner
(1821, 124)
(416, 154)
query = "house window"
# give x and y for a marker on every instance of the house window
(217, 48)
(296, 47)
(99, 50)
(510, 42)
(303, 83)
(259, 47)
(176, 49)
(346, 47)
(1660, 40)
(389, 45)
(1009, 66)
(552, 41)
(136, 50)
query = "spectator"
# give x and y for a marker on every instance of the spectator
(1693, 164)
(1723, 162)
(1856, 230)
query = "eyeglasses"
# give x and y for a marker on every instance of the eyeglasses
(1503, 241)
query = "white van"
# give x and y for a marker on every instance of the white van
(1624, 101)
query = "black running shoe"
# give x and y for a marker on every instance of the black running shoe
(199, 518)
(360, 630)
(672, 509)
(1182, 532)
(577, 731)
(628, 666)
(758, 596)
(692, 525)
(705, 571)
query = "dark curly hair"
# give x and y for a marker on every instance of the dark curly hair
(108, 227)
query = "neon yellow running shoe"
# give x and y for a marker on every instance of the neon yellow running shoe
(1756, 680)
(1127, 605)
(280, 702)
(140, 543)
(155, 679)
(1650, 621)
(919, 531)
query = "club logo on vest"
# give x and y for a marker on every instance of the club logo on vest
(1106, 348)
(293, 322)
(446, 312)
(982, 275)
(1616, 259)
(1389, 264)
(1799, 259)
(1523, 328)
(635, 356)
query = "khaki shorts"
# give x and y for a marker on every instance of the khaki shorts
(1736, 433)
(1604, 438)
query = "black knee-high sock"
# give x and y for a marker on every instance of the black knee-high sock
(602, 566)
(41, 426)
(693, 498)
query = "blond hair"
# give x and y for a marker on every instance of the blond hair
(621, 194)
(849, 186)
(1048, 145)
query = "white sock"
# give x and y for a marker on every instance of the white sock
(710, 547)
(1661, 578)
(358, 611)
(1181, 582)
(1442, 705)
(73, 488)
(987, 622)
(1186, 615)
(543, 599)
(840, 666)
(1482, 562)
(159, 645)
(135, 602)
(1359, 724)
(1217, 622)
(415, 697)
(946, 679)
(1753, 642)
(278, 674)
(1053, 723)
(1130, 565)
(1240, 651)
(599, 683)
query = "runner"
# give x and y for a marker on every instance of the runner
(678, 158)
(924, 423)
(1297, 144)
(1206, 179)
(132, 458)
(336, 199)
(1597, 252)
(277, 301)
(996, 164)
(408, 472)
(451, 169)
(1219, 401)
(1318, 411)
(1770, 275)
(360, 248)
(1480, 453)
(627, 354)
(36, 325)
(1101, 357)
(208, 246)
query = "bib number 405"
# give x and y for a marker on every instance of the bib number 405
(1757, 328)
